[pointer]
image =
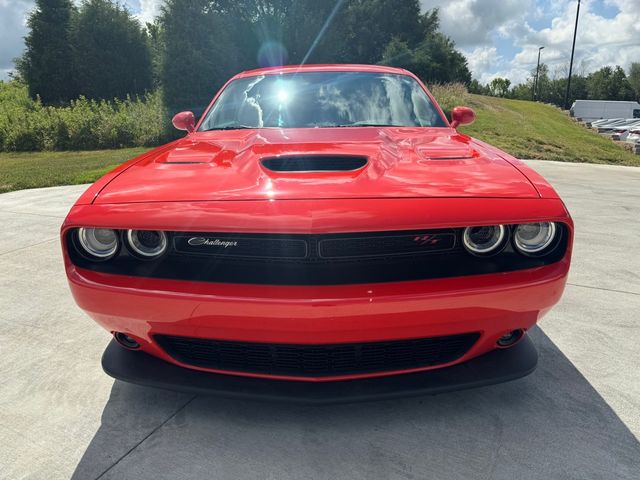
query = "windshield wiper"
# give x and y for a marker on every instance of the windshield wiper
(231, 127)
(364, 124)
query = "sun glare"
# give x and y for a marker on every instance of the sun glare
(282, 96)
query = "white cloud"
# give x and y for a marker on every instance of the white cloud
(482, 60)
(12, 30)
(472, 23)
(149, 9)
(478, 26)
(600, 41)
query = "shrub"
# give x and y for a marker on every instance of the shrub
(27, 125)
(450, 95)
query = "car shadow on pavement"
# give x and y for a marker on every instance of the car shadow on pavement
(552, 424)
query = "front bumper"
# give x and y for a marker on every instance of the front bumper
(494, 367)
(491, 305)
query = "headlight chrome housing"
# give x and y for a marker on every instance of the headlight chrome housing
(147, 243)
(534, 238)
(98, 243)
(487, 240)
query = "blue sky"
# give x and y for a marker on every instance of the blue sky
(499, 37)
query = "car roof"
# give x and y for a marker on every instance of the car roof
(351, 67)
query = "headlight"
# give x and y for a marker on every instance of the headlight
(147, 243)
(484, 240)
(533, 238)
(100, 243)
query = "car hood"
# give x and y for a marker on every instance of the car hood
(400, 163)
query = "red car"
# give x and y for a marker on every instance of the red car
(323, 233)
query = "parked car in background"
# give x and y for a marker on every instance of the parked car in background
(603, 121)
(588, 110)
(323, 233)
(611, 126)
(631, 136)
(625, 128)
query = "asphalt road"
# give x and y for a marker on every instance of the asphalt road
(576, 417)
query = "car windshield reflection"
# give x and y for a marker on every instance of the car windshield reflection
(323, 100)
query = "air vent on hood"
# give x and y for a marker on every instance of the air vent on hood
(315, 163)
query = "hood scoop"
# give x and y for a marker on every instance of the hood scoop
(314, 163)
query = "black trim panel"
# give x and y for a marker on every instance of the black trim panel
(241, 246)
(500, 365)
(385, 257)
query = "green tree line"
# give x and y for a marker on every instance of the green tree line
(606, 83)
(100, 51)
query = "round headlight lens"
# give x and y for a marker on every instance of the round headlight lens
(147, 243)
(533, 238)
(483, 240)
(98, 242)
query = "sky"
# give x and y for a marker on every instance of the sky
(500, 38)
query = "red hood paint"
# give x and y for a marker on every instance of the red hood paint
(403, 163)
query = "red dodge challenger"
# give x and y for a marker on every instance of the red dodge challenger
(322, 234)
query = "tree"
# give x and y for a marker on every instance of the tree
(285, 31)
(198, 51)
(433, 58)
(365, 28)
(634, 78)
(203, 42)
(476, 87)
(398, 54)
(557, 88)
(499, 87)
(609, 84)
(47, 64)
(312, 31)
(437, 60)
(154, 34)
(111, 52)
(542, 84)
(522, 91)
(578, 89)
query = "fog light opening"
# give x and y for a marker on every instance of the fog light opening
(126, 341)
(510, 339)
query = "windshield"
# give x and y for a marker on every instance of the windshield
(322, 99)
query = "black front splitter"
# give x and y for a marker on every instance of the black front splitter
(494, 367)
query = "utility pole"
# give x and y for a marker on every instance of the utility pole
(573, 49)
(535, 84)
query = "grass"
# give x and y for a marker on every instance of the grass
(47, 169)
(538, 131)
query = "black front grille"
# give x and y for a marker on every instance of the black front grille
(385, 245)
(327, 259)
(317, 360)
(243, 246)
(313, 248)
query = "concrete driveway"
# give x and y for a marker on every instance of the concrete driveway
(576, 417)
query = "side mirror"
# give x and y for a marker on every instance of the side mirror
(184, 121)
(462, 116)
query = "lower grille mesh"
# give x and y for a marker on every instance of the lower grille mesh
(317, 360)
